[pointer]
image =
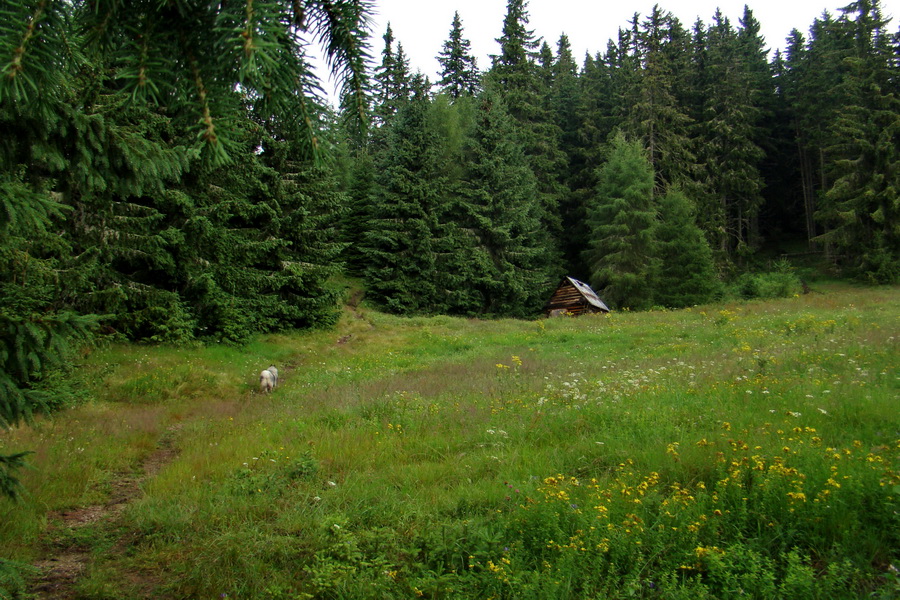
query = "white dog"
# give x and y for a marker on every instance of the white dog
(274, 373)
(266, 381)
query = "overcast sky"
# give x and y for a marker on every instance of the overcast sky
(422, 26)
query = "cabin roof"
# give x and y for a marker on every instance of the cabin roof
(589, 294)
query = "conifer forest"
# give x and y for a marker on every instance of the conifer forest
(172, 171)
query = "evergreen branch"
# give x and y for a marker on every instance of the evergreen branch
(37, 51)
(24, 210)
(15, 68)
(9, 485)
(341, 26)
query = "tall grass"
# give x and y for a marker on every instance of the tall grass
(741, 449)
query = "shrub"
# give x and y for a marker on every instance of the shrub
(782, 283)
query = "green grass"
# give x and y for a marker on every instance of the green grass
(735, 449)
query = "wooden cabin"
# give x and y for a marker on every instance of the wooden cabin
(574, 297)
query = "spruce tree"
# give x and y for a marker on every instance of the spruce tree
(795, 63)
(398, 247)
(654, 115)
(862, 207)
(37, 335)
(391, 78)
(727, 134)
(687, 273)
(564, 102)
(812, 84)
(105, 108)
(782, 216)
(497, 210)
(621, 217)
(355, 222)
(189, 54)
(516, 77)
(459, 69)
(598, 115)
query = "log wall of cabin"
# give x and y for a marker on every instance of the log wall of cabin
(570, 299)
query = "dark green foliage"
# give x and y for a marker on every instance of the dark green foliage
(780, 283)
(13, 577)
(9, 485)
(496, 214)
(524, 85)
(727, 132)
(621, 217)
(260, 244)
(117, 120)
(360, 190)
(459, 70)
(392, 80)
(37, 333)
(655, 116)
(190, 56)
(398, 244)
(687, 273)
(563, 101)
(862, 207)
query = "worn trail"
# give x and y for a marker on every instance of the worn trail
(67, 561)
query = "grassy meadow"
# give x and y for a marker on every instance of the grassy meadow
(732, 450)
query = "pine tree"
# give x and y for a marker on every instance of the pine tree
(38, 335)
(727, 135)
(398, 247)
(308, 220)
(455, 277)
(621, 219)
(360, 199)
(496, 208)
(515, 76)
(812, 85)
(459, 69)
(392, 79)
(686, 274)
(189, 54)
(654, 115)
(862, 207)
(598, 115)
(564, 102)
(761, 90)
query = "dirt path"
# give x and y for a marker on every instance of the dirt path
(67, 561)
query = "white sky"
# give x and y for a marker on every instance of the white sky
(422, 26)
